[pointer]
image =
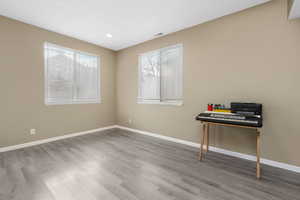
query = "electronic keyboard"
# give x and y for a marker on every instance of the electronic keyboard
(234, 119)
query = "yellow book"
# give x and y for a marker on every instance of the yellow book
(222, 110)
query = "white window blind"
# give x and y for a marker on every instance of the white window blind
(71, 76)
(160, 76)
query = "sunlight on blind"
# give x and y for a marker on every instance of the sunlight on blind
(150, 76)
(86, 76)
(171, 74)
(71, 76)
(60, 74)
(160, 75)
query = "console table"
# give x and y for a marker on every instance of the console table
(205, 136)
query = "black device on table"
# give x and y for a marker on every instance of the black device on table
(242, 114)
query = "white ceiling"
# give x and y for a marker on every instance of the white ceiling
(129, 21)
(295, 9)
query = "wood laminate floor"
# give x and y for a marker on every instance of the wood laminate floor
(126, 166)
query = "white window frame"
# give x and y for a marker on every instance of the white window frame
(73, 100)
(141, 100)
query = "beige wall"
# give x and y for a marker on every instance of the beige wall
(22, 87)
(249, 56)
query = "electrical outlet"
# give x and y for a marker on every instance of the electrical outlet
(32, 131)
(129, 121)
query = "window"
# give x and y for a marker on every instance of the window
(71, 76)
(160, 76)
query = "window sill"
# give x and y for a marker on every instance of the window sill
(73, 102)
(168, 103)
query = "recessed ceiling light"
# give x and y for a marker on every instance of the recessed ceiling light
(109, 35)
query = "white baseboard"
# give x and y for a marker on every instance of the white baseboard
(20, 146)
(218, 150)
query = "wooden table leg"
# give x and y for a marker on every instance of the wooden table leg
(202, 142)
(258, 155)
(207, 138)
